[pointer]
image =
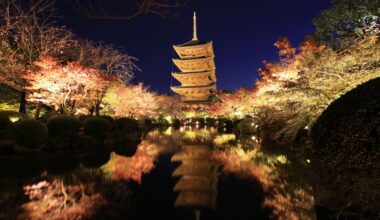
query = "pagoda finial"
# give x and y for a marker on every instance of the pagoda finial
(195, 37)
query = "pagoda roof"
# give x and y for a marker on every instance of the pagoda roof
(195, 78)
(194, 49)
(194, 93)
(195, 65)
(192, 43)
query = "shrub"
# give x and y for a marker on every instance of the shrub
(176, 123)
(210, 121)
(96, 127)
(45, 118)
(126, 125)
(63, 126)
(95, 159)
(246, 126)
(225, 125)
(7, 117)
(62, 163)
(28, 132)
(108, 118)
(6, 147)
(84, 117)
(148, 122)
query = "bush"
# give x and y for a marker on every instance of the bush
(63, 126)
(225, 125)
(45, 118)
(6, 118)
(210, 121)
(148, 122)
(246, 126)
(126, 125)
(6, 147)
(28, 132)
(176, 123)
(108, 118)
(95, 159)
(96, 127)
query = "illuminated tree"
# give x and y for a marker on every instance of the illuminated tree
(131, 101)
(293, 92)
(107, 60)
(235, 105)
(66, 87)
(26, 33)
(169, 105)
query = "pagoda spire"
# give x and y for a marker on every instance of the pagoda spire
(195, 37)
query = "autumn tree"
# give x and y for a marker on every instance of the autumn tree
(26, 33)
(131, 101)
(169, 105)
(235, 105)
(67, 87)
(109, 61)
(294, 92)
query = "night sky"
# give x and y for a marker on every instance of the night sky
(243, 33)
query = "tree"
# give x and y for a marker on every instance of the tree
(346, 20)
(169, 105)
(294, 92)
(26, 33)
(107, 60)
(67, 87)
(235, 105)
(131, 101)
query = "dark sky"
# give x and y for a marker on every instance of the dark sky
(242, 31)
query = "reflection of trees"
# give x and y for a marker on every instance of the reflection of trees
(82, 194)
(132, 168)
(288, 198)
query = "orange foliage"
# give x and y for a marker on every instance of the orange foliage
(133, 168)
(235, 105)
(66, 87)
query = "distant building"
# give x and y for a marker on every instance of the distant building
(197, 69)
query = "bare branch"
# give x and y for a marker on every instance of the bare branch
(98, 9)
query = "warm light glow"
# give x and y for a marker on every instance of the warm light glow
(14, 118)
(169, 119)
(282, 159)
(168, 131)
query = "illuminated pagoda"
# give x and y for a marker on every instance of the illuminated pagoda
(196, 69)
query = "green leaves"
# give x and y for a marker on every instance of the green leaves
(346, 20)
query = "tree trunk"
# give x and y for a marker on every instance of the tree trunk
(22, 107)
(97, 109)
(91, 110)
(38, 109)
(61, 110)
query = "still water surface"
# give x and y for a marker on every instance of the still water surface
(189, 173)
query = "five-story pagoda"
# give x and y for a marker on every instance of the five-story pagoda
(197, 69)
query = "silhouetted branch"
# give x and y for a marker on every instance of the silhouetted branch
(97, 9)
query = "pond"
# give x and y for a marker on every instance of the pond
(187, 173)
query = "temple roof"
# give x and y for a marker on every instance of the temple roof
(191, 50)
(194, 93)
(195, 65)
(196, 78)
(192, 43)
